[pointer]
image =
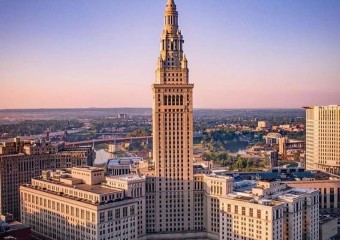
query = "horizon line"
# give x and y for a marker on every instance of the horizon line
(197, 108)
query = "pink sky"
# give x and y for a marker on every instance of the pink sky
(63, 55)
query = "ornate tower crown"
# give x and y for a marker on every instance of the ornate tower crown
(171, 50)
(171, 17)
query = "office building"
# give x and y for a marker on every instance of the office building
(81, 203)
(270, 211)
(21, 160)
(323, 138)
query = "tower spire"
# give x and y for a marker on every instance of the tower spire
(171, 44)
(171, 17)
(171, 2)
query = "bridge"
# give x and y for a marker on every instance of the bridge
(108, 140)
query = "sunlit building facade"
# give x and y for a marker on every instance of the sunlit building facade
(81, 203)
(21, 160)
(270, 211)
(178, 202)
(173, 131)
(323, 138)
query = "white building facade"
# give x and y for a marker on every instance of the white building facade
(323, 138)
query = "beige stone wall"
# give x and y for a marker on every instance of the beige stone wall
(19, 169)
(294, 214)
(58, 210)
(249, 220)
(58, 217)
(329, 192)
(172, 133)
(323, 138)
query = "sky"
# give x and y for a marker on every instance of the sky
(242, 54)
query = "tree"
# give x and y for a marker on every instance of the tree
(250, 163)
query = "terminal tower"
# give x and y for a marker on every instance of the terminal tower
(181, 203)
(173, 130)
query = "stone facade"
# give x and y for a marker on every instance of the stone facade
(26, 160)
(270, 211)
(173, 206)
(81, 203)
(323, 138)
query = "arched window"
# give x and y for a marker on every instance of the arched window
(169, 100)
(181, 101)
(173, 100)
(177, 100)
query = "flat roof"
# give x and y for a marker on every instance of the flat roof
(252, 200)
(129, 177)
(74, 198)
(97, 189)
(88, 168)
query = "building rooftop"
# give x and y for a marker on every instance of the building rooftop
(88, 168)
(248, 197)
(311, 107)
(123, 161)
(129, 177)
(98, 189)
(326, 218)
(71, 197)
(302, 190)
(302, 175)
(267, 176)
(289, 196)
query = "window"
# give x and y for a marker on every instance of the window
(117, 213)
(125, 212)
(101, 217)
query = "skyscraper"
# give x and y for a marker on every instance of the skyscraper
(173, 130)
(323, 138)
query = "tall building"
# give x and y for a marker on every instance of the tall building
(81, 203)
(270, 211)
(173, 131)
(179, 201)
(22, 160)
(323, 138)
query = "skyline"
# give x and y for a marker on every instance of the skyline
(71, 55)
